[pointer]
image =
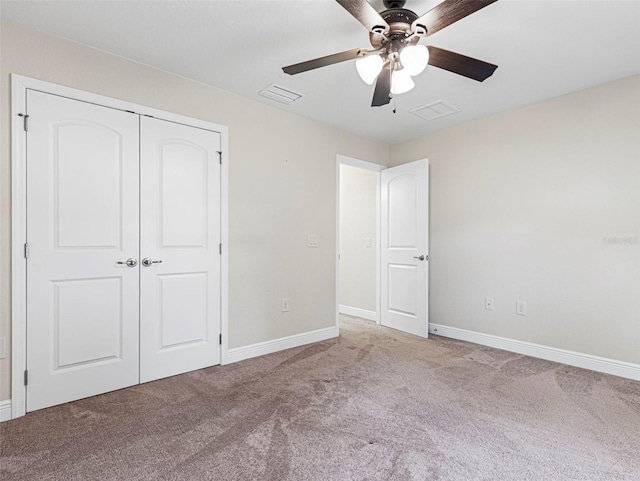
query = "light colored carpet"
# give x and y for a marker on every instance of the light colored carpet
(375, 404)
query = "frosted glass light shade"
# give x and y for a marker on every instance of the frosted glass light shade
(414, 59)
(369, 67)
(401, 82)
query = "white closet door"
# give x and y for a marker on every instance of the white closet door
(404, 247)
(179, 240)
(82, 209)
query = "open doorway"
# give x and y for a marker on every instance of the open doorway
(382, 243)
(358, 279)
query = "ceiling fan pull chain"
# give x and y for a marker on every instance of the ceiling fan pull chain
(393, 97)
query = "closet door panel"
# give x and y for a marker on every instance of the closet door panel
(180, 235)
(82, 220)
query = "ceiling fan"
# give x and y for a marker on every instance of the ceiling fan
(396, 56)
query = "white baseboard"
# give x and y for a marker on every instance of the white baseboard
(357, 312)
(5, 410)
(577, 359)
(268, 347)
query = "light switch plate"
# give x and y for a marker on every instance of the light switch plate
(312, 240)
(367, 241)
(488, 303)
(3, 347)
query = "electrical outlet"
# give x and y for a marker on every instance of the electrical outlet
(488, 303)
(521, 308)
(312, 240)
(284, 304)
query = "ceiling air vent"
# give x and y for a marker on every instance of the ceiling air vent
(280, 94)
(434, 110)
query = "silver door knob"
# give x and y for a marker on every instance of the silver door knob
(147, 262)
(421, 258)
(131, 262)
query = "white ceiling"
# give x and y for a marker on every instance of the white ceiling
(544, 48)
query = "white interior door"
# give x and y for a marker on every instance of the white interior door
(95, 322)
(180, 238)
(404, 199)
(82, 219)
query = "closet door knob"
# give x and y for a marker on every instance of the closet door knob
(421, 258)
(131, 262)
(147, 262)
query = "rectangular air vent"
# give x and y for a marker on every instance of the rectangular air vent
(435, 110)
(280, 94)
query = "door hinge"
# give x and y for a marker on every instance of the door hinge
(25, 120)
(220, 338)
(26, 250)
(220, 248)
(26, 377)
(220, 156)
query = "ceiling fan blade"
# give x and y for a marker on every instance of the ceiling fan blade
(323, 61)
(383, 87)
(448, 12)
(365, 14)
(461, 64)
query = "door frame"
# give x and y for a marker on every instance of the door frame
(377, 168)
(19, 87)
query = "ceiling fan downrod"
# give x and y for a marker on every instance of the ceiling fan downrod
(394, 3)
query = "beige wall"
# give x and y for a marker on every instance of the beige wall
(357, 221)
(520, 204)
(523, 207)
(281, 183)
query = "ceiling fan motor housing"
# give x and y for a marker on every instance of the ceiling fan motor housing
(399, 21)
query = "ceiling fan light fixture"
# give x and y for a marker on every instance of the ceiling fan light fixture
(414, 59)
(401, 82)
(369, 68)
